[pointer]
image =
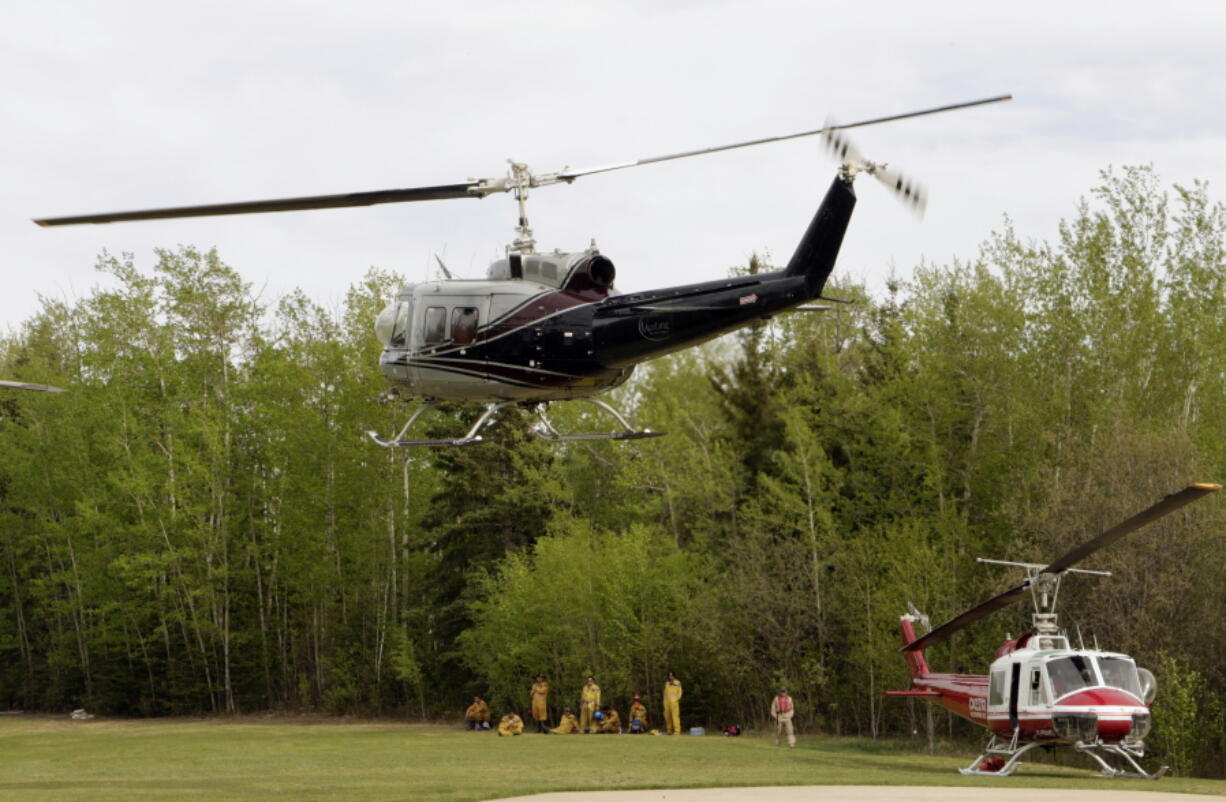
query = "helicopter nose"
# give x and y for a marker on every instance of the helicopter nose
(1081, 727)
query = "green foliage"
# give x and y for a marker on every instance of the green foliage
(615, 605)
(198, 525)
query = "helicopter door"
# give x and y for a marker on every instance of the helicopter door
(447, 326)
(1015, 681)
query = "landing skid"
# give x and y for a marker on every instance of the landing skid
(544, 429)
(1010, 757)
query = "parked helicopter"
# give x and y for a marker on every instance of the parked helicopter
(544, 327)
(1039, 691)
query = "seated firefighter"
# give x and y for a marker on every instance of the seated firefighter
(639, 719)
(511, 724)
(569, 725)
(477, 716)
(610, 722)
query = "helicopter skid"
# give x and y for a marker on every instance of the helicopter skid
(469, 438)
(454, 441)
(1120, 750)
(546, 431)
(1011, 755)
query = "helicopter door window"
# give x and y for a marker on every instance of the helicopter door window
(464, 320)
(1036, 686)
(435, 325)
(996, 689)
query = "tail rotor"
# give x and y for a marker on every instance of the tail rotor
(909, 192)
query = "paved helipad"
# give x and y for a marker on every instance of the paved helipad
(861, 793)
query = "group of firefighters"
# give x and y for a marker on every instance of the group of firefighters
(597, 718)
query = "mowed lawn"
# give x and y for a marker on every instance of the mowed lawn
(253, 758)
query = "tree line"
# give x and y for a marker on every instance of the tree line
(200, 526)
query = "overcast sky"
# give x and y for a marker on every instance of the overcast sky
(127, 105)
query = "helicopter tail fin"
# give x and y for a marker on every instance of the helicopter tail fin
(916, 664)
(819, 247)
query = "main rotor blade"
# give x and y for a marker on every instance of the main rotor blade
(570, 175)
(972, 615)
(42, 388)
(1164, 507)
(443, 192)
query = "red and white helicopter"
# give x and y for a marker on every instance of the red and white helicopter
(1040, 691)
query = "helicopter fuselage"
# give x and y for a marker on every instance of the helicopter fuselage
(1044, 691)
(546, 327)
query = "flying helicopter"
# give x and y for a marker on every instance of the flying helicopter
(1039, 690)
(544, 327)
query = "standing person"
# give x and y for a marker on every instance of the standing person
(477, 716)
(540, 710)
(782, 709)
(638, 716)
(672, 705)
(589, 703)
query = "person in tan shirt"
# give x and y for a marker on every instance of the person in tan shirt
(569, 725)
(782, 709)
(611, 722)
(589, 703)
(540, 699)
(672, 705)
(511, 724)
(638, 716)
(477, 716)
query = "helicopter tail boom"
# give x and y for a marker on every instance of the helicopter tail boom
(815, 255)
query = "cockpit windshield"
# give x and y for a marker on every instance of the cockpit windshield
(1069, 674)
(1119, 672)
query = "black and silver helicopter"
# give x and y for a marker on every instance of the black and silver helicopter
(545, 327)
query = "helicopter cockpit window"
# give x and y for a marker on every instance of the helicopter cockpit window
(400, 327)
(464, 321)
(1120, 673)
(435, 325)
(1069, 674)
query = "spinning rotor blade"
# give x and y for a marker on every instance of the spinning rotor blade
(911, 194)
(844, 151)
(571, 175)
(982, 610)
(1164, 507)
(42, 388)
(443, 192)
(520, 180)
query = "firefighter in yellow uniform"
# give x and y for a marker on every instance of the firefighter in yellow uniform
(477, 716)
(672, 705)
(611, 723)
(589, 703)
(568, 725)
(511, 724)
(638, 716)
(540, 698)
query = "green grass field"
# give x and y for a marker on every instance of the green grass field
(253, 758)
